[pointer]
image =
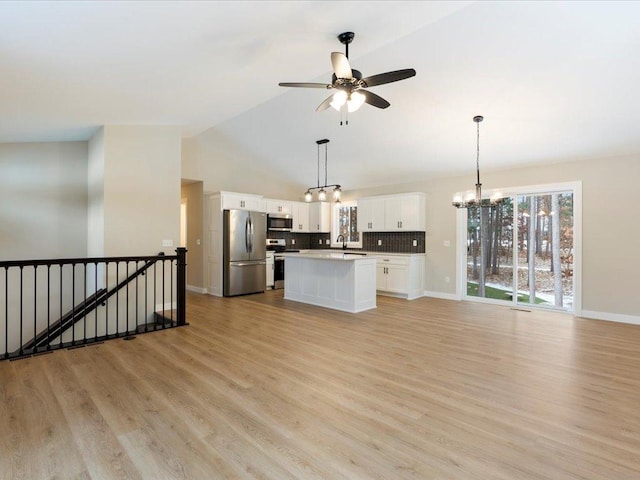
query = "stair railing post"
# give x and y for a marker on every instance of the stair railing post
(181, 285)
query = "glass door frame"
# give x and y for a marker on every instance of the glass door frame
(514, 192)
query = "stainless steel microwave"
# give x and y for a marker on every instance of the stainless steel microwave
(279, 222)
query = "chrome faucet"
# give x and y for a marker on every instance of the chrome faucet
(344, 241)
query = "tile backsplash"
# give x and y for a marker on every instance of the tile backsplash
(303, 241)
(391, 242)
(394, 242)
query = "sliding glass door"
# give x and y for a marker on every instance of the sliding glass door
(521, 251)
(545, 249)
(490, 251)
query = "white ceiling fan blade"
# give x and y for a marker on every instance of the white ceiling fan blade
(341, 66)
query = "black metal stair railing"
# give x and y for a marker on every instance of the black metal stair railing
(62, 303)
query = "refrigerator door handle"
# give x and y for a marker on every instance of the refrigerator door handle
(247, 264)
(250, 234)
(253, 235)
(246, 234)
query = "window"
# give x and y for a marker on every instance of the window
(345, 222)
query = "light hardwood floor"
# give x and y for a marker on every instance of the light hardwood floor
(259, 387)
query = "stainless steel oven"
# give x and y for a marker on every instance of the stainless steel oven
(279, 222)
(278, 245)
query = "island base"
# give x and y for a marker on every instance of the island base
(349, 286)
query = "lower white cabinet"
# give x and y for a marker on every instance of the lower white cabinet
(270, 272)
(400, 275)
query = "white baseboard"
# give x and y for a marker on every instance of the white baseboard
(168, 306)
(445, 296)
(191, 288)
(611, 317)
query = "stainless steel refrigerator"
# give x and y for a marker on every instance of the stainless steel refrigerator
(244, 252)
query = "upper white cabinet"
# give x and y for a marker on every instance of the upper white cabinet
(242, 201)
(371, 214)
(277, 206)
(405, 213)
(300, 214)
(319, 217)
(311, 217)
(392, 213)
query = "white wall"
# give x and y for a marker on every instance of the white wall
(95, 187)
(43, 200)
(192, 192)
(141, 182)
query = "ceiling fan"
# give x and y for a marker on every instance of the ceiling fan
(351, 87)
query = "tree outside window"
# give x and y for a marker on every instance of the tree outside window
(346, 223)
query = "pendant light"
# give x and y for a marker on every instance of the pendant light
(471, 198)
(322, 193)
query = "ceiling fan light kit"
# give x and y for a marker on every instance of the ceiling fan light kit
(322, 193)
(351, 87)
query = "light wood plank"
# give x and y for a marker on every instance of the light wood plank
(261, 387)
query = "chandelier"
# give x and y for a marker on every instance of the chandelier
(471, 198)
(322, 193)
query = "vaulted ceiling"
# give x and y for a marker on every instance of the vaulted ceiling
(556, 81)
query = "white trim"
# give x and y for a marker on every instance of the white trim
(444, 296)
(168, 306)
(461, 252)
(535, 189)
(577, 247)
(334, 225)
(610, 317)
(191, 288)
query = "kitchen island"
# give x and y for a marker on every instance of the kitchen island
(342, 281)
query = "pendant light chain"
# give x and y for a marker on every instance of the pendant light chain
(326, 147)
(478, 152)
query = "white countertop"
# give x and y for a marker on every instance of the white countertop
(339, 251)
(327, 255)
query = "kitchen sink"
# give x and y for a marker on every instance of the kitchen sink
(354, 253)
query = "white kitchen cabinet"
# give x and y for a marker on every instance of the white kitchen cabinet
(270, 270)
(242, 201)
(371, 214)
(300, 214)
(404, 213)
(320, 217)
(277, 206)
(392, 213)
(400, 275)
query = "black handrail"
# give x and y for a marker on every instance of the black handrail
(82, 310)
(45, 340)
